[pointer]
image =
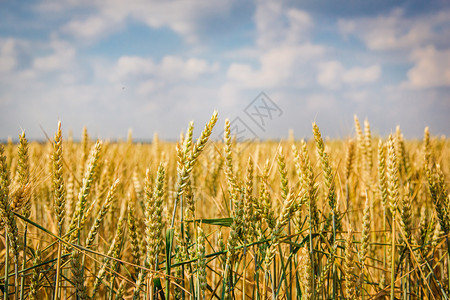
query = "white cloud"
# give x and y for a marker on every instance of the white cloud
(129, 66)
(276, 24)
(283, 57)
(8, 60)
(396, 32)
(329, 75)
(300, 24)
(59, 7)
(283, 50)
(150, 76)
(268, 24)
(148, 87)
(90, 28)
(175, 68)
(360, 75)
(333, 75)
(228, 95)
(357, 96)
(278, 67)
(431, 68)
(62, 58)
(422, 40)
(319, 102)
(184, 17)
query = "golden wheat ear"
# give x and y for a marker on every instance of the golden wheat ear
(6, 213)
(306, 272)
(349, 266)
(153, 217)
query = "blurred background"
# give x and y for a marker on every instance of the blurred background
(153, 66)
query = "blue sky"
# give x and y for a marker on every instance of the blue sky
(156, 65)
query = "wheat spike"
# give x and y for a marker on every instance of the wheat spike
(392, 175)
(153, 216)
(439, 195)
(34, 284)
(406, 213)
(359, 144)
(289, 208)
(327, 170)
(133, 234)
(201, 261)
(6, 213)
(284, 184)
(249, 218)
(349, 266)
(349, 159)
(101, 214)
(113, 251)
(367, 150)
(88, 179)
(306, 175)
(305, 272)
(186, 169)
(59, 189)
(382, 181)
(22, 194)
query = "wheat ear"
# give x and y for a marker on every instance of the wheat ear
(101, 214)
(349, 266)
(186, 169)
(201, 262)
(6, 213)
(59, 189)
(88, 179)
(153, 216)
(306, 273)
(34, 284)
(393, 195)
(112, 252)
(133, 234)
(59, 204)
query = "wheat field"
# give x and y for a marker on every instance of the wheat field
(358, 218)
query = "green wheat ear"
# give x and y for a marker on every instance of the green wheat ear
(365, 235)
(34, 284)
(382, 180)
(250, 204)
(349, 266)
(288, 210)
(201, 263)
(59, 189)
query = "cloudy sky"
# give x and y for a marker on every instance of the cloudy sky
(156, 65)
